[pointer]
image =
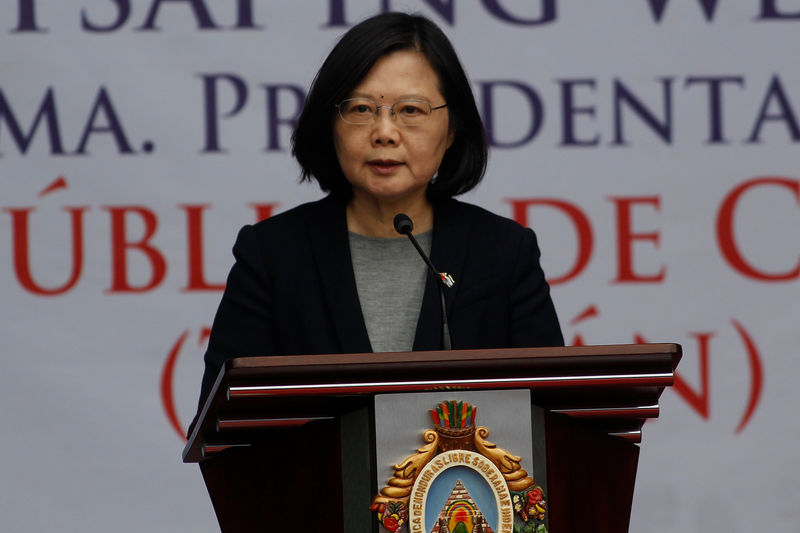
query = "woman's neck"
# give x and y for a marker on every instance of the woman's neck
(375, 218)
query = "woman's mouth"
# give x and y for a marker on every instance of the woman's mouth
(384, 166)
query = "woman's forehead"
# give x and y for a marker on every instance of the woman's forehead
(399, 75)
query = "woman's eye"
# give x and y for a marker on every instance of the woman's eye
(410, 110)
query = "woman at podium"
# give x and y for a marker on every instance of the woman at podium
(390, 127)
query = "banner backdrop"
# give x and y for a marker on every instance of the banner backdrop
(652, 145)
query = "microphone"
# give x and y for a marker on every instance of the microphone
(403, 225)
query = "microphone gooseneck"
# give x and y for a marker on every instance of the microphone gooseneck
(404, 226)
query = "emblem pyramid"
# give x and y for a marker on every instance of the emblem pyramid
(460, 514)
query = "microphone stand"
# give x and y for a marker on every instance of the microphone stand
(404, 226)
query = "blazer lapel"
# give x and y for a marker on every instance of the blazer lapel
(331, 249)
(448, 251)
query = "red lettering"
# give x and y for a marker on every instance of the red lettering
(22, 263)
(699, 401)
(167, 380)
(583, 230)
(626, 238)
(58, 183)
(167, 398)
(727, 241)
(120, 247)
(756, 375)
(194, 238)
(590, 312)
(263, 211)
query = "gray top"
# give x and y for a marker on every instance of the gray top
(390, 278)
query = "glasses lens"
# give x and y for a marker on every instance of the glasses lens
(412, 112)
(357, 110)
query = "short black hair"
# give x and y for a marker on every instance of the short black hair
(464, 163)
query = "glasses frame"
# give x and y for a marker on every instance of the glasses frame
(391, 109)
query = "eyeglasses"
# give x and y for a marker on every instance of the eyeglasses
(410, 112)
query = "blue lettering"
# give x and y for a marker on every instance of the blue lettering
(531, 98)
(769, 10)
(113, 125)
(569, 110)
(201, 13)
(212, 117)
(622, 95)
(715, 83)
(26, 17)
(123, 12)
(547, 13)
(47, 111)
(657, 8)
(274, 118)
(785, 114)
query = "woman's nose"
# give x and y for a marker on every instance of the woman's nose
(385, 127)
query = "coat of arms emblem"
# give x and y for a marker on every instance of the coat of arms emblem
(460, 482)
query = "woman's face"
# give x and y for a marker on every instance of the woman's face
(385, 160)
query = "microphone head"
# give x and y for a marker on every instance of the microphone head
(403, 224)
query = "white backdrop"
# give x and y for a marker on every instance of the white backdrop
(653, 146)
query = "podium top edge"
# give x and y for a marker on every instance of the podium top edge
(673, 350)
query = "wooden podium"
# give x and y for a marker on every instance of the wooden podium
(287, 443)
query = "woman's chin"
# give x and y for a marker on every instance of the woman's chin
(391, 193)
(395, 197)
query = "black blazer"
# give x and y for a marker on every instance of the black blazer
(292, 289)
